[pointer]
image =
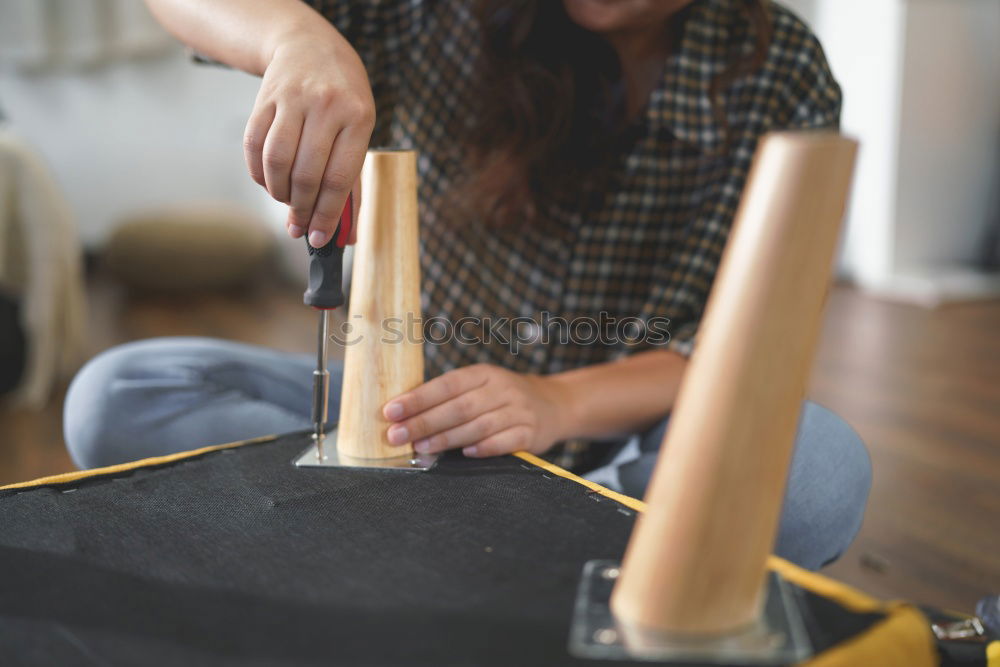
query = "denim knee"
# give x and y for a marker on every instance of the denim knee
(165, 395)
(828, 489)
(91, 408)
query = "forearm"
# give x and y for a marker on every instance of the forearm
(618, 397)
(238, 33)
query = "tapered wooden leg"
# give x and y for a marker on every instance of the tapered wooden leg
(696, 560)
(384, 352)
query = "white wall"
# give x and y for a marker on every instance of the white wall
(135, 134)
(950, 130)
(922, 93)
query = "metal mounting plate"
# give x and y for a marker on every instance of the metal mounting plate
(777, 638)
(333, 459)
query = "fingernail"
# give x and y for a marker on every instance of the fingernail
(296, 231)
(422, 445)
(317, 239)
(398, 435)
(394, 411)
(470, 451)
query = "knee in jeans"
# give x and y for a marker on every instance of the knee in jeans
(95, 415)
(852, 474)
(828, 491)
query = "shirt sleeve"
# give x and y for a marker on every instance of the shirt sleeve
(808, 94)
(384, 33)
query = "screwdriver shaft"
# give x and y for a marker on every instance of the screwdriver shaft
(321, 384)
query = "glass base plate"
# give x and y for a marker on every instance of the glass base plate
(777, 638)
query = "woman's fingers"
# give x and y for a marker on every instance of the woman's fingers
(514, 439)
(345, 161)
(280, 147)
(253, 140)
(486, 410)
(435, 392)
(471, 432)
(311, 158)
(356, 201)
(308, 133)
(465, 409)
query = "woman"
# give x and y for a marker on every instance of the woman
(579, 160)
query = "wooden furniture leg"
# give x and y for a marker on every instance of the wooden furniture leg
(384, 349)
(696, 561)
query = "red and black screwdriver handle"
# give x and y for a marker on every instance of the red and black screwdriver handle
(326, 265)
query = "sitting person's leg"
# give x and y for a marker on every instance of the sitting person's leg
(827, 489)
(166, 395)
(827, 492)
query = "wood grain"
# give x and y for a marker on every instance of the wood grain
(384, 357)
(696, 559)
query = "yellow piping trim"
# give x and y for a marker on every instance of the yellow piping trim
(627, 501)
(131, 465)
(847, 596)
(993, 654)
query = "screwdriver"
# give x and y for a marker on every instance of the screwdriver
(324, 293)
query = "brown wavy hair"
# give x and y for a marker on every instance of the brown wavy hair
(551, 114)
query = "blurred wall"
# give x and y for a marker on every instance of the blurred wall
(922, 93)
(136, 133)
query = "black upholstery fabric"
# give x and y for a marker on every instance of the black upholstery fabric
(237, 557)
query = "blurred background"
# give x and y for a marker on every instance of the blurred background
(126, 212)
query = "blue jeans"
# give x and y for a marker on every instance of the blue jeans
(167, 395)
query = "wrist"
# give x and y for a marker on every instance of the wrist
(562, 396)
(312, 32)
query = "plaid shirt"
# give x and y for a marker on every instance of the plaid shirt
(650, 245)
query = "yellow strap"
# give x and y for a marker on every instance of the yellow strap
(993, 654)
(902, 639)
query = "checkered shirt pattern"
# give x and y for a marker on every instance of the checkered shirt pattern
(649, 244)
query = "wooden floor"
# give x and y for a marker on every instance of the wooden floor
(922, 387)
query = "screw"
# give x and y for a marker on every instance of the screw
(610, 572)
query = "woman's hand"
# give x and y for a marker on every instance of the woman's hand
(486, 410)
(306, 139)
